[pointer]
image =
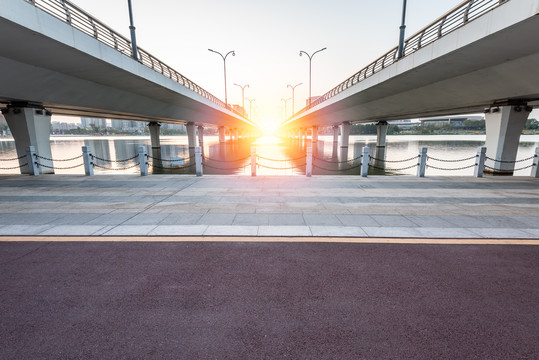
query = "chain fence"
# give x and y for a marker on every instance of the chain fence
(13, 159)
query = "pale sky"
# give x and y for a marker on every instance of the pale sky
(267, 37)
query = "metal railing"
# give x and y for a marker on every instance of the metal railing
(461, 15)
(81, 20)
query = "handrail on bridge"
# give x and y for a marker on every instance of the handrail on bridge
(457, 17)
(81, 20)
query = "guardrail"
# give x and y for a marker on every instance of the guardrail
(81, 20)
(459, 16)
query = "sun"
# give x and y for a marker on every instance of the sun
(268, 128)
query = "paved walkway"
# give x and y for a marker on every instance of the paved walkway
(335, 206)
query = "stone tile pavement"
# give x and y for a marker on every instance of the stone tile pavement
(321, 206)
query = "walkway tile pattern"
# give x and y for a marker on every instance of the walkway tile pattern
(335, 206)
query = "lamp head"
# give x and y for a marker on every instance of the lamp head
(233, 53)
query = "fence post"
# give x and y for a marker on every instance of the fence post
(33, 169)
(87, 157)
(143, 160)
(480, 161)
(309, 165)
(198, 160)
(535, 167)
(422, 162)
(253, 161)
(365, 161)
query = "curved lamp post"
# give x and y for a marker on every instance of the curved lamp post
(402, 28)
(132, 29)
(224, 61)
(250, 108)
(285, 101)
(242, 96)
(310, 60)
(293, 88)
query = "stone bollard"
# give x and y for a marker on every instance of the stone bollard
(535, 167)
(309, 164)
(198, 160)
(365, 162)
(33, 169)
(143, 160)
(422, 162)
(253, 161)
(480, 161)
(87, 158)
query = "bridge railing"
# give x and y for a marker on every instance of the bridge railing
(452, 20)
(81, 20)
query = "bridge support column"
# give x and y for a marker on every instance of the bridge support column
(345, 134)
(222, 138)
(30, 126)
(155, 128)
(381, 134)
(504, 125)
(236, 135)
(201, 138)
(315, 134)
(191, 138)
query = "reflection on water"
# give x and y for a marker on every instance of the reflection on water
(275, 156)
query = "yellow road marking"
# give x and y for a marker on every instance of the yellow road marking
(268, 240)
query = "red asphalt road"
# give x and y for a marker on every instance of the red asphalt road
(281, 300)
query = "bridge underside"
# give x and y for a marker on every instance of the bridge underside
(71, 73)
(497, 69)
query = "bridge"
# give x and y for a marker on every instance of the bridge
(56, 58)
(481, 56)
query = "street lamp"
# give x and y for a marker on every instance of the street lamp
(285, 101)
(310, 59)
(132, 28)
(402, 28)
(224, 61)
(293, 88)
(250, 107)
(242, 96)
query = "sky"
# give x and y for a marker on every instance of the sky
(267, 37)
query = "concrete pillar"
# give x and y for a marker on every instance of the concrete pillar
(30, 126)
(201, 137)
(191, 138)
(381, 134)
(222, 138)
(315, 134)
(365, 162)
(422, 162)
(236, 134)
(87, 158)
(143, 163)
(480, 161)
(253, 161)
(504, 125)
(535, 167)
(33, 169)
(198, 161)
(335, 134)
(345, 134)
(309, 165)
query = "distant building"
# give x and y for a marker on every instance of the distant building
(87, 123)
(408, 123)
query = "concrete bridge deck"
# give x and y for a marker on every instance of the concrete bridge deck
(334, 206)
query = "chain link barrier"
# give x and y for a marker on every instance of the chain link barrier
(451, 161)
(509, 161)
(226, 161)
(451, 169)
(15, 167)
(169, 160)
(171, 168)
(509, 171)
(276, 160)
(337, 170)
(392, 161)
(388, 169)
(226, 169)
(274, 168)
(47, 159)
(13, 159)
(337, 162)
(57, 167)
(116, 169)
(114, 161)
